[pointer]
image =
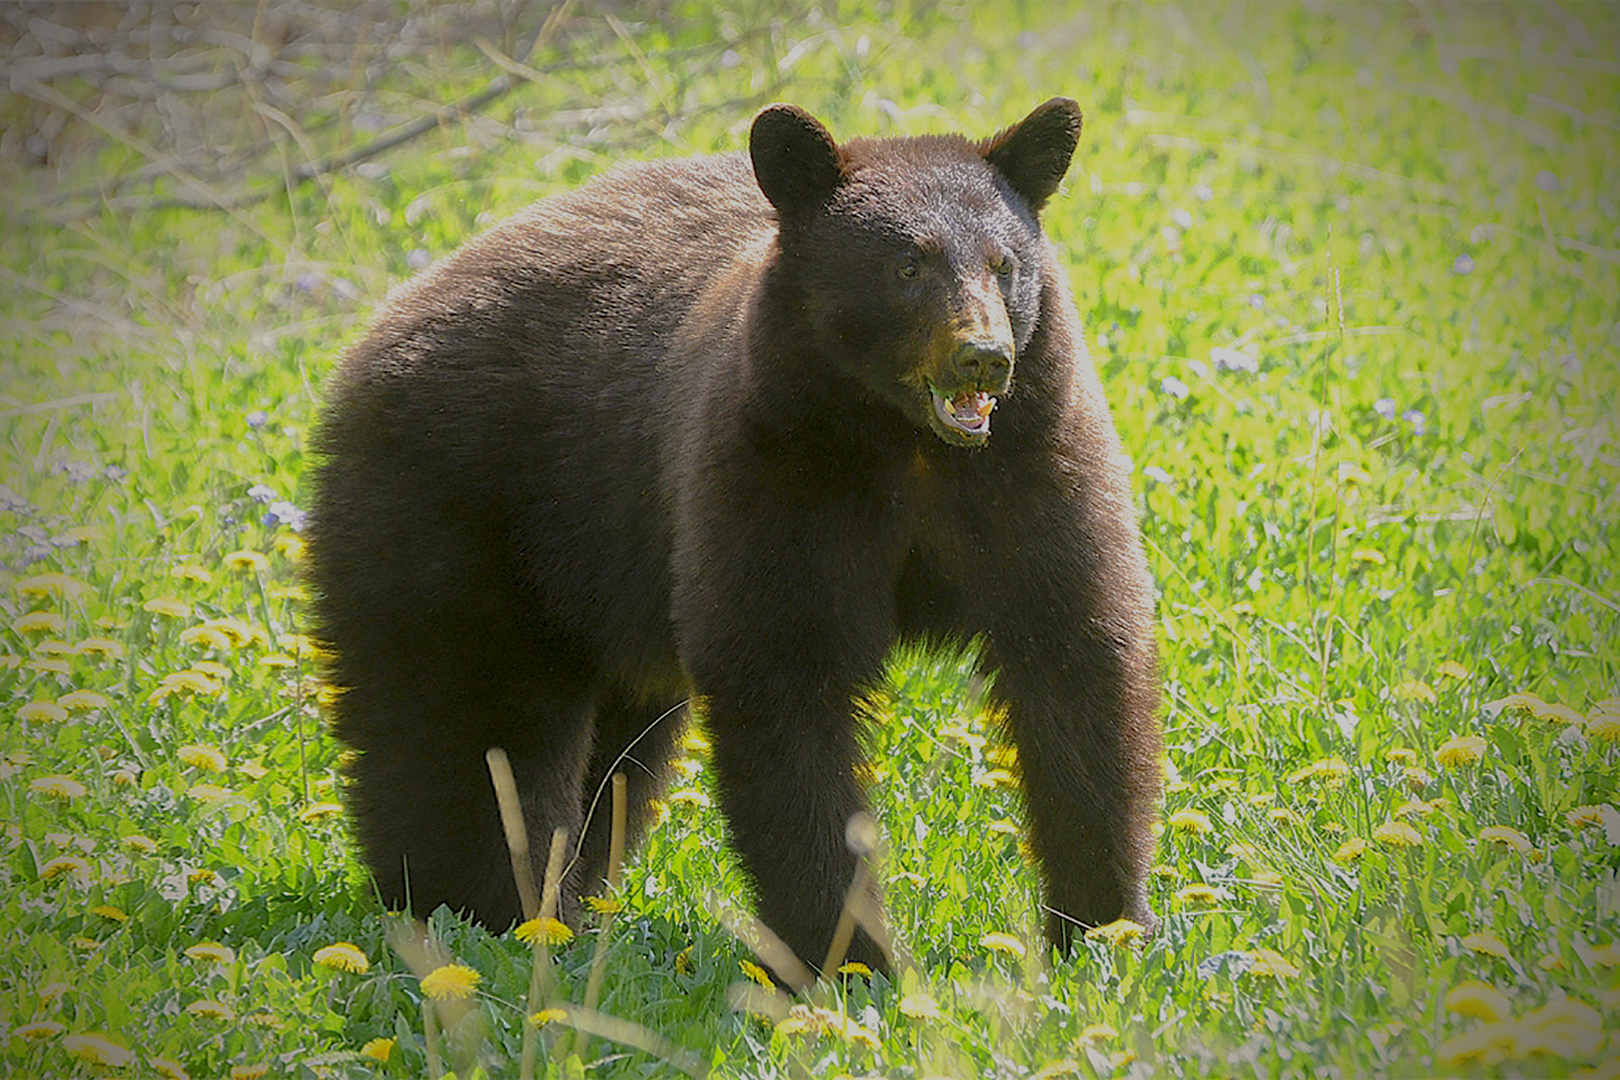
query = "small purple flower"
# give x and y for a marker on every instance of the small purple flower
(288, 514)
(306, 281)
(79, 472)
(418, 258)
(1464, 264)
(1385, 407)
(262, 493)
(257, 419)
(1420, 424)
(1174, 387)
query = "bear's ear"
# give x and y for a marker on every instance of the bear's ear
(796, 162)
(1034, 153)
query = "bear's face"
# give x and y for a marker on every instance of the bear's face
(917, 262)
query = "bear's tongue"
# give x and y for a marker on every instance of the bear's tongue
(968, 411)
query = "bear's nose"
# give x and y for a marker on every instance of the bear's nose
(986, 365)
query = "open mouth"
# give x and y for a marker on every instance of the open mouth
(966, 415)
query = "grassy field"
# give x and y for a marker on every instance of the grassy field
(1353, 280)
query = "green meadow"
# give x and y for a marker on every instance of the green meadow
(1352, 279)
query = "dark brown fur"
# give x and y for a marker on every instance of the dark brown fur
(672, 434)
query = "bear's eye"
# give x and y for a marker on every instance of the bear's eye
(910, 269)
(1003, 266)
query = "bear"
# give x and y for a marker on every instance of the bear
(726, 429)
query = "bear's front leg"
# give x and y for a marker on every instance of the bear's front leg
(783, 620)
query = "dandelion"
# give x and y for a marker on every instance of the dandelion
(1480, 1000)
(994, 778)
(683, 961)
(71, 866)
(97, 1049)
(38, 1029)
(603, 905)
(277, 661)
(83, 701)
(1331, 771)
(1415, 690)
(50, 666)
(997, 941)
(547, 1016)
(1555, 713)
(319, 811)
(103, 647)
(42, 712)
(1417, 808)
(200, 756)
(1487, 943)
(378, 1049)
(211, 952)
(1506, 836)
(1197, 893)
(1397, 834)
(1590, 815)
(551, 931)
(1604, 727)
(195, 680)
(168, 1068)
(1450, 669)
(212, 794)
(1350, 850)
(452, 982)
(248, 562)
(688, 797)
(1482, 1046)
(1118, 932)
(1004, 826)
(283, 591)
(107, 911)
(1053, 1069)
(136, 842)
(41, 622)
(207, 637)
(168, 606)
(1368, 556)
(1268, 963)
(289, 546)
(1401, 755)
(1460, 750)
(190, 571)
(57, 787)
(343, 956)
(756, 973)
(919, 1006)
(41, 585)
(238, 632)
(1417, 779)
(210, 1009)
(1005, 757)
(855, 967)
(256, 1071)
(1195, 822)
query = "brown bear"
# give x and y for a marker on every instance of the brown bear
(726, 429)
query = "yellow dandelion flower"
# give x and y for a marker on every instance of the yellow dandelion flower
(319, 811)
(452, 982)
(239, 632)
(855, 967)
(1269, 963)
(1415, 690)
(1266, 879)
(1004, 826)
(54, 647)
(277, 661)
(1368, 556)
(1480, 1000)
(1350, 850)
(51, 666)
(1401, 755)
(249, 562)
(212, 794)
(50, 585)
(688, 797)
(1195, 822)
(103, 647)
(1262, 798)
(996, 941)
(42, 712)
(1331, 771)
(37, 1030)
(1482, 1046)
(1604, 727)
(1460, 750)
(683, 961)
(79, 534)
(299, 644)
(1005, 757)
(57, 787)
(1118, 932)
(209, 669)
(960, 734)
(1487, 943)
(1608, 956)
(603, 905)
(107, 911)
(552, 931)
(1506, 836)
(1198, 893)
(168, 1068)
(289, 546)
(83, 701)
(1283, 815)
(1243, 607)
(1417, 808)
(378, 1049)
(51, 993)
(994, 778)
(253, 770)
(136, 842)
(168, 606)
(1054, 1069)
(41, 622)
(547, 1016)
(755, 972)
(97, 1049)
(70, 866)
(1164, 872)
(202, 875)
(343, 956)
(212, 952)
(1555, 713)
(919, 1006)
(1351, 473)
(1450, 669)
(207, 637)
(190, 571)
(1589, 815)
(200, 756)
(212, 1010)
(1092, 1034)
(294, 592)
(1417, 779)
(195, 680)
(1516, 702)
(256, 1071)
(1397, 834)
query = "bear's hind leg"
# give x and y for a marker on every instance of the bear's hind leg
(637, 738)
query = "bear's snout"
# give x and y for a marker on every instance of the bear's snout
(981, 364)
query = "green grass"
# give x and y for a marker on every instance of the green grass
(1351, 276)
